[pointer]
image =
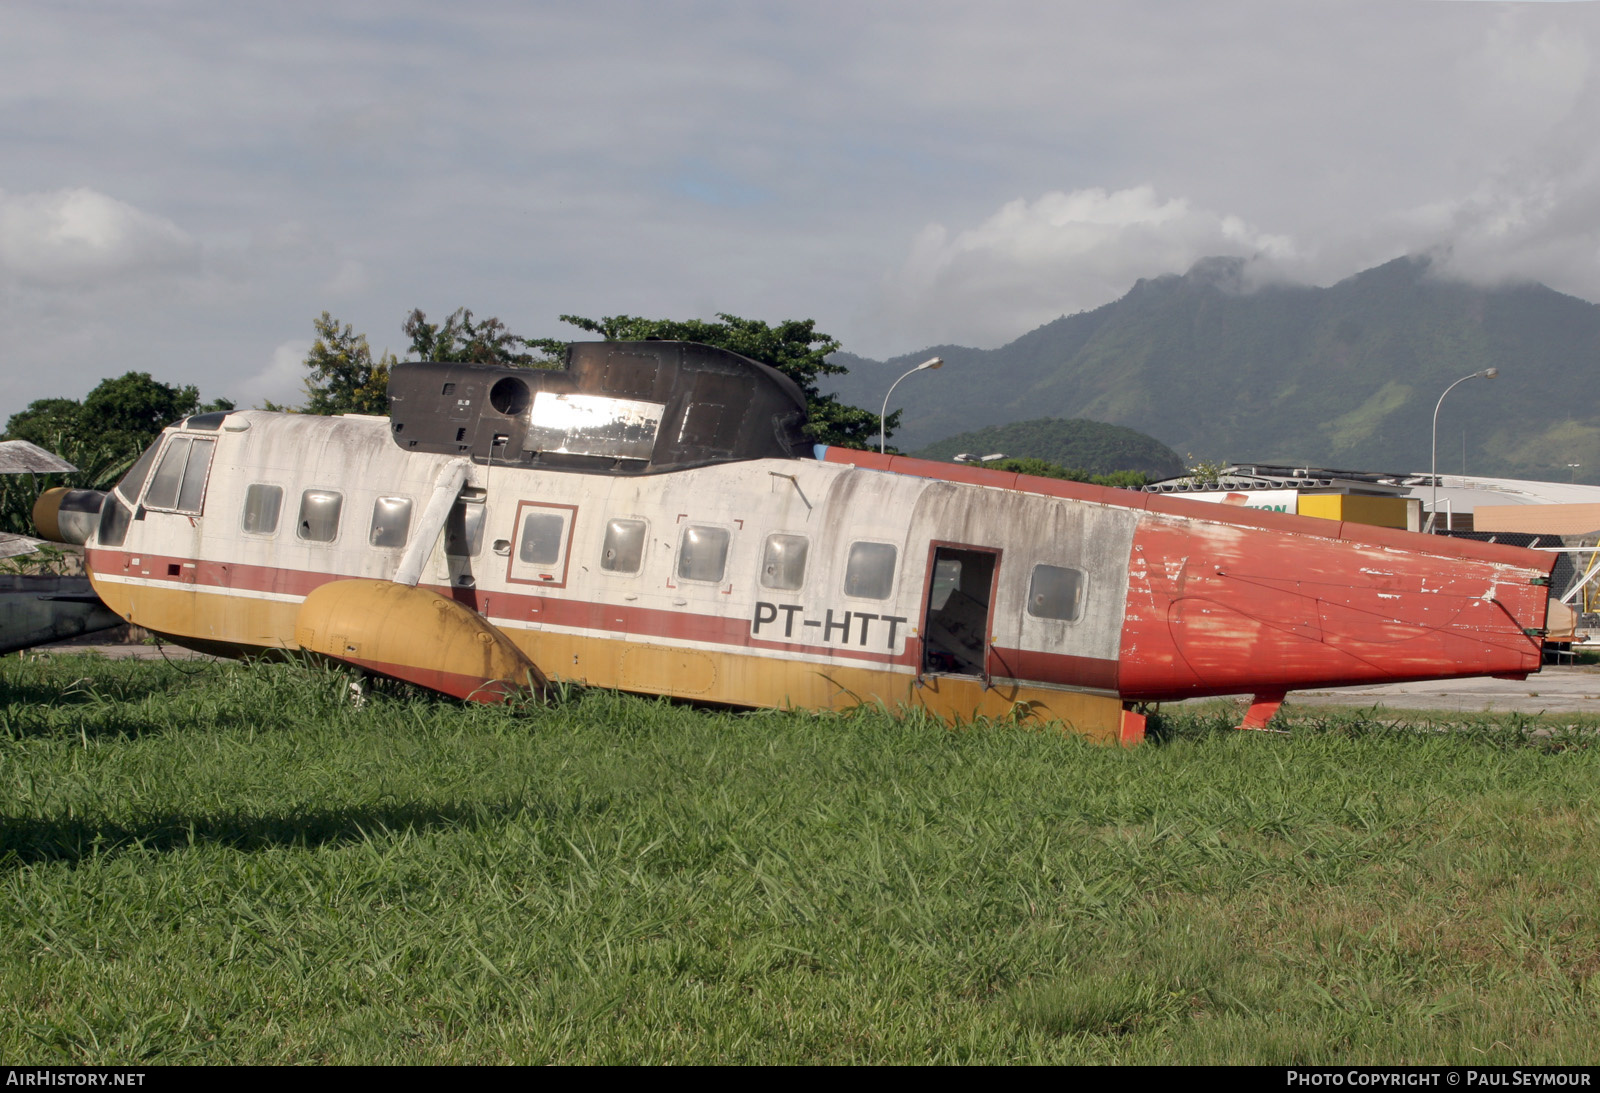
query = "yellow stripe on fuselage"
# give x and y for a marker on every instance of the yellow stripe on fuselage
(215, 618)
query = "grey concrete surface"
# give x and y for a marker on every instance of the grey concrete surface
(129, 651)
(1557, 689)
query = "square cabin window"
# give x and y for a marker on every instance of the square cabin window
(703, 553)
(391, 522)
(623, 549)
(1056, 592)
(262, 504)
(319, 515)
(869, 573)
(783, 562)
(542, 535)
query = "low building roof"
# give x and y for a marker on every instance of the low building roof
(22, 457)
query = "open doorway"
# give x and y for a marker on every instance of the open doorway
(955, 624)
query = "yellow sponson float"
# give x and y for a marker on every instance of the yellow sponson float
(417, 636)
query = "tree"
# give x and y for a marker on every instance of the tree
(458, 338)
(344, 378)
(102, 436)
(1042, 468)
(792, 347)
(46, 421)
(125, 413)
(132, 410)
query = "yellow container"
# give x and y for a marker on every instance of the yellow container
(1383, 512)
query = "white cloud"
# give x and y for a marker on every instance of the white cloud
(82, 238)
(1031, 262)
(282, 380)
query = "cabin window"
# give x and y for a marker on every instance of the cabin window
(623, 549)
(262, 504)
(1056, 592)
(783, 562)
(391, 522)
(463, 530)
(319, 515)
(869, 573)
(179, 483)
(703, 553)
(542, 536)
(543, 543)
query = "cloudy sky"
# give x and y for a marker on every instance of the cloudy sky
(184, 186)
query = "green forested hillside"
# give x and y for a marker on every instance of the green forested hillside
(1342, 376)
(1091, 446)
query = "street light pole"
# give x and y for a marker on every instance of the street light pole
(932, 362)
(1433, 469)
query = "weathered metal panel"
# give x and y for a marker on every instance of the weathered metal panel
(1037, 530)
(593, 425)
(1219, 608)
(37, 610)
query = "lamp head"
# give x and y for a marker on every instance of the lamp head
(1489, 373)
(932, 362)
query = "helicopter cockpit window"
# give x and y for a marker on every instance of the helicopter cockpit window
(391, 521)
(1056, 592)
(114, 520)
(319, 515)
(623, 549)
(179, 484)
(703, 553)
(192, 494)
(134, 479)
(783, 562)
(262, 503)
(163, 491)
(869, 573)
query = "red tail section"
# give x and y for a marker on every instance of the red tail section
(1292, 602)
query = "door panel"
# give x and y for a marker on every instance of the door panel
(957, 617)
(541, 544)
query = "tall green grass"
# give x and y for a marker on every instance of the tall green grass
(218, 863)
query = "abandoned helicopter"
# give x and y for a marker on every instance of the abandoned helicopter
(653, 519)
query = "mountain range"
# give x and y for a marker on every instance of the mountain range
(1089, 446)
(1344, 376)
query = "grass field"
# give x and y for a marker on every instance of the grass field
(215, 863)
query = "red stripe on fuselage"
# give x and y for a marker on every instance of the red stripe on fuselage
(642, 623)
